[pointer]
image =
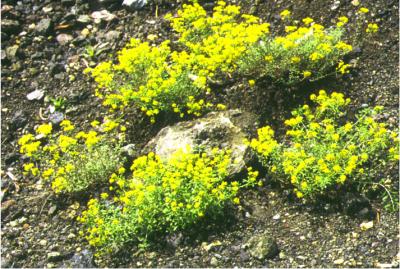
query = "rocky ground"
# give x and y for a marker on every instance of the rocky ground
(45, 47)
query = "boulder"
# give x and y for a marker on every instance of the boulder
(225, 130)
(262, 246)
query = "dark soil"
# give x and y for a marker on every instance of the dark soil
(39, 229)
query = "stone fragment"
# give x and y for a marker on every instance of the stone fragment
(64, 39)
(10, 26)
(262, 246)
(102, 15)
(53, 256)
(35, 95)
(338, 261)
(44, 26)
(366, 225)
(134, 4)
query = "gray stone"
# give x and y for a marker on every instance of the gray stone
(214, 262)
(113, 36)
(84, 19)
(102, 15)
(262, 246)
(52, 210)
(134, 4)
(11, 52)
(10, 26)
(83, 259)
(224, 129)
(18, 120)
(64, 39)
(338, 261)
(44, 26)
(53, 256)
(35, 95)
(56, 117)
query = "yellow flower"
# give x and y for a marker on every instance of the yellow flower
(363, 10)
(285, 14)
(94, 123)
(342, 21)
(28, 166)
(307, 20)
(236, 200)
(252, 82)
(343, 68)
(67, 125)
(104, 195)
(348, 126)
(221, 107)
(121, 170)
(268, 58)
(335, 137)
(47, 173)
(342, 178)
(44, 129)
(25, 139)
(364, 156)
(315, 56)
(295, 59)
(298, 194)
(289, 29)
(372, 28)
(306, 74)
(337, 168)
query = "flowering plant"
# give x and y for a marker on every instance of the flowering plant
(161, 196)
(72, 161)
(322, 151)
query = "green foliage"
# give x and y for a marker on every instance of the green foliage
(161, 196)
(306, 51)
(322, 152)
(72, 161)
(155, 78)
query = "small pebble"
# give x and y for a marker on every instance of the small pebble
(366, 225)
(338, 261)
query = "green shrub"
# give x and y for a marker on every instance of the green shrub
(155, 79)
(306, 51)
(161, 196)
(72, 161)
(322, 152)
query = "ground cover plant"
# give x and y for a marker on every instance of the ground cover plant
(72, 160)
(214, 47)
(322, 153)
(161, 196)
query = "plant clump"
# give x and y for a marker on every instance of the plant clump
(161, 196)
(156, 79)
(72, 161)
(307, 50)
(212, 48)
(322, 152)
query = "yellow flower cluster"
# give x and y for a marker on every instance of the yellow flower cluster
(323, 153)
(162, 195)
(71, 161)
(216, 42)
(372, 28)
(306, 51)
(156, 79)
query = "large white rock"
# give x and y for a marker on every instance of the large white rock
(225, 130)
